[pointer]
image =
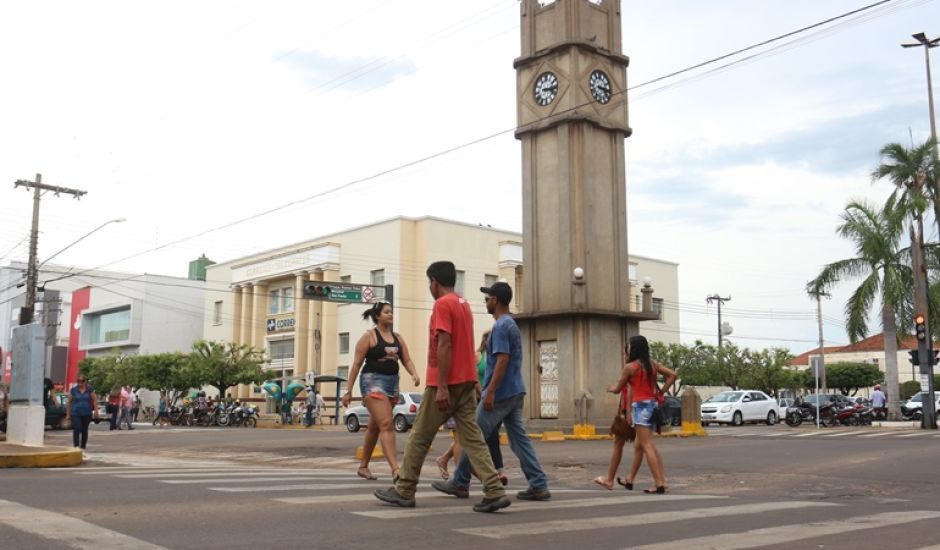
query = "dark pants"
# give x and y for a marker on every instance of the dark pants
(309, 417)
(115, 414)
(493, 443)
(80, 430)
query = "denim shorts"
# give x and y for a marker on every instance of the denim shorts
(382, 386)
(643, 412)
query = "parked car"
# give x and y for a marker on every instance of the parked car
(672, 411)
(55, 411)
(916, 403)
(403, 415)
(739, 406)
(782, 405)
(839, 399)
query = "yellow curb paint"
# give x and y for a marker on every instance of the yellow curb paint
(55, 459)
(553, 436)
(376, 452)
(584, 429)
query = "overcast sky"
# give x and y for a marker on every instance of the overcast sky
(186, 116)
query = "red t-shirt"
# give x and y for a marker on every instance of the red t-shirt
(643, 388)
(451, 314)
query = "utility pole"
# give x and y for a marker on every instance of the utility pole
(720, 300)
(26, 313)
(822, 348)
(924, 351)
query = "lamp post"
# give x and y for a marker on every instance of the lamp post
(83, 237)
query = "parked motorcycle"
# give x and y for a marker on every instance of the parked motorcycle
(806, 412)
(847, 416)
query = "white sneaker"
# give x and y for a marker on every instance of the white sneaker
(84, 455)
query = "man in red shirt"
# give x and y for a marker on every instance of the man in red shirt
(450, 391)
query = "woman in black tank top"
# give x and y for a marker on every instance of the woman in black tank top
(376, 363)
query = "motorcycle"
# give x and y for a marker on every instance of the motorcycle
(806, 412)
(866, 414)
(847, 416)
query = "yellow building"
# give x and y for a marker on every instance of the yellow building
(258, 299)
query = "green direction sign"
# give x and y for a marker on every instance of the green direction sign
(346, 293)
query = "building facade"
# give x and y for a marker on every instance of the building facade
(258, 300)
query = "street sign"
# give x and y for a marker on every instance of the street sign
(346, 293)
(817, 367)
(924, 382)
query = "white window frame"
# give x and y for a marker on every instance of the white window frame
(343, 339)
(377, 277)
(217, 313)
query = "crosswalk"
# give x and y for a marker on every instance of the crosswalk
(573, 513)
(822, 433)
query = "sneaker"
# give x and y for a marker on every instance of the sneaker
(84, 456)
(391, 496)
(491, 504)
(449, 488)
(534, 494)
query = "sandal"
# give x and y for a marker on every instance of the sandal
(602, 481)
(442, 469)
(626, 485)
(364, 473)
(661, 490)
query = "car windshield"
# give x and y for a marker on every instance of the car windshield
(725, 397)
(416, 397)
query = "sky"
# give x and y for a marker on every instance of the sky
(231, 127)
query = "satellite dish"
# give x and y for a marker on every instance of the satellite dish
(726, 329)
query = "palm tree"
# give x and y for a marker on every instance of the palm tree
(911, 171)
(885, 271)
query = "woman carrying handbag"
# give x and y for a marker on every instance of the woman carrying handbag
(638, 388)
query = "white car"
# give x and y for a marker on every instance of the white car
(739, 406)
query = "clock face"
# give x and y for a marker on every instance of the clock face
(546, 87)
(600, 87)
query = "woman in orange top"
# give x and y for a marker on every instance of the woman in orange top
(638, 380)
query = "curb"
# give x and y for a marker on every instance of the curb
(41, 457)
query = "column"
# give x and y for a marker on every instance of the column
(328, 326)
(244, 329)
(301, 325)
(260, 308)
(313, 319)
(236, 313)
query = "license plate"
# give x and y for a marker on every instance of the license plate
(708, 417)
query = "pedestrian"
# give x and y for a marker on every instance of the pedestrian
(127, 406)
(878, 402)
(378, 354)
(82, 406)
(311, 405)
(285, 412)
(114, 408)
(135, 408)
(503, 398)
(453, 452)
(638, 380)
(450, 391)
(163, 409)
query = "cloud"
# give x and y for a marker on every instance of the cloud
(352, 73)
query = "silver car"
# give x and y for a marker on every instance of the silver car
(403, 415)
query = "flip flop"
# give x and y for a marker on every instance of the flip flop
(657, 491)
(367, 475)
(602, 481)
(626, 485)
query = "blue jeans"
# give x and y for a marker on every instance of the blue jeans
(509, 412)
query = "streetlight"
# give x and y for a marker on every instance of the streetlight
(927, 43)
(86, 235)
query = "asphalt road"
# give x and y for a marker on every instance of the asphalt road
(750, 487)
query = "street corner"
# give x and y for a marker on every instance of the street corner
(22, 456)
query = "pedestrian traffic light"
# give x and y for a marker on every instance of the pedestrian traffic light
(934, 356)
(915, 358)
(920, 327)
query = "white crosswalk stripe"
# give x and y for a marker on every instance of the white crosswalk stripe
(756, 538)
(624, 520)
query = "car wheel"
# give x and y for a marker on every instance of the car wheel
(771, 418)
(352, 423)
(737, 419)
(401, 425)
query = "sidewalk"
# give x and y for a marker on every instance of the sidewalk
(47, 456)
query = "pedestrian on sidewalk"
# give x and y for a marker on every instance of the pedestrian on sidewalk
(879, 402)
(82, 406)
(450, 391)
(114, 407)
(163, 409)
(127, 406)
(638, 379)
(503, 397)
(378, 354)
(311, 405)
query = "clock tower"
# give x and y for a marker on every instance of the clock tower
(572, 122)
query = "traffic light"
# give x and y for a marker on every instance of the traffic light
(915, 358)
(313, 290)
(935, 355)
(920, 327)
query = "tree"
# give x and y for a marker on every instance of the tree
(226, 364)
(885, 270)
(172, 374)
(732, 365)
(912, 172)
(768, 371)
(689, 362)
(107, 371)
(849, 377)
